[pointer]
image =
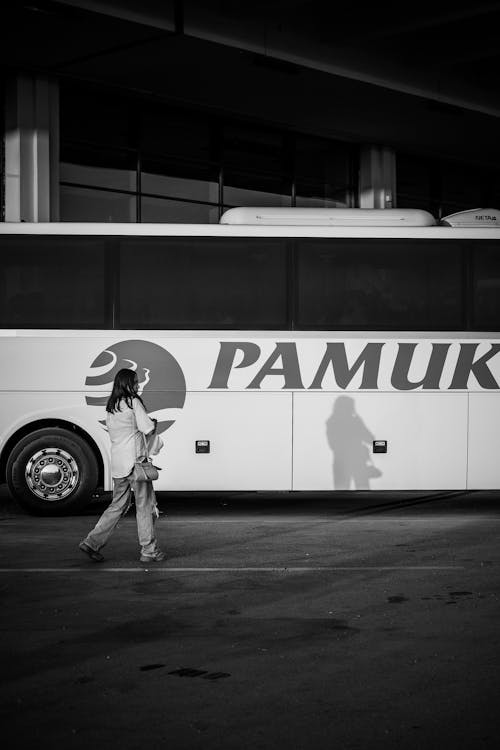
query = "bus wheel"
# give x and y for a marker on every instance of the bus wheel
(52, 472)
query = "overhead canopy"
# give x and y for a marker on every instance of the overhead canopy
(421, 77)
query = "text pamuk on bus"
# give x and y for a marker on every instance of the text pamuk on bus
(447, 365)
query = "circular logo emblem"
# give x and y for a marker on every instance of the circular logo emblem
(161, 381)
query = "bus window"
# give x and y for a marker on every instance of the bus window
(46, 282)
(486, 286)
(203, 283)
(379, 284)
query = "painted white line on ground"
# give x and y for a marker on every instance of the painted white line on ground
(282, 569)
(327, 519)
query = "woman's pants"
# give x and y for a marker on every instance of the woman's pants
(145, 506)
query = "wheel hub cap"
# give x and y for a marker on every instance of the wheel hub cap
(52, 474)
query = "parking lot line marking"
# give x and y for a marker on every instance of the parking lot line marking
(246, 569)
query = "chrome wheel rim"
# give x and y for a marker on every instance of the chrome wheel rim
(52, 474)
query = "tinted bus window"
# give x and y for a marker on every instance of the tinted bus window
(378, 284)
(203, 283)
(486, 286)
(52, 282)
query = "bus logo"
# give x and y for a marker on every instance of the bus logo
(161, 381)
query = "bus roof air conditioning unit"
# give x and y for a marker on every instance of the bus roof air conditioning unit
(340, 217)
(474, 217)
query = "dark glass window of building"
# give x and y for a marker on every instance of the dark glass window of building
(91, 116)
(462, 188)
(249, 189)
(443, 187)
(100, 184)
(166, 131)
(323, 173)
(416, 184)
(129, 159)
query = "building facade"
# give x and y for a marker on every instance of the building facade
(176, 111)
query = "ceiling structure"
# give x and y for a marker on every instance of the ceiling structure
(425, 74)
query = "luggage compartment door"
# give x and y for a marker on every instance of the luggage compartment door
(250, 436)
(484, 441)
(333, 436)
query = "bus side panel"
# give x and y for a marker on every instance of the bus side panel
(426, 436)
(250, 438)
(484, 441)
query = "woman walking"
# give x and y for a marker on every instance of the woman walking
(128, 427)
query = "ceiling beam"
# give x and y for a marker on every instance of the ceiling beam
(428, 22)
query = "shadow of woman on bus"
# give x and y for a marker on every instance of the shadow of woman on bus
(350, 441)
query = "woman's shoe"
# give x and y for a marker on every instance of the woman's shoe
(92, 553)
(157, 556)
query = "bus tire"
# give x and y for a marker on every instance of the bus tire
(52, 472)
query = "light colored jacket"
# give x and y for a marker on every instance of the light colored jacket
(127, 428)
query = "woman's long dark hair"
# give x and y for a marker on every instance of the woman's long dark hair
(124, 387)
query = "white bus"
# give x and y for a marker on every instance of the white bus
(280, 350)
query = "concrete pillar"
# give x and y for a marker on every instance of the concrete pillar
(31, 149)
(377, 177)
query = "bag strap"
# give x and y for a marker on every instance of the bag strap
(145, 446)
(146, 443)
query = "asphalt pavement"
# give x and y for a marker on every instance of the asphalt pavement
(355, 620)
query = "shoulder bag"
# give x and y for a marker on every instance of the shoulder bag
(145, 471)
